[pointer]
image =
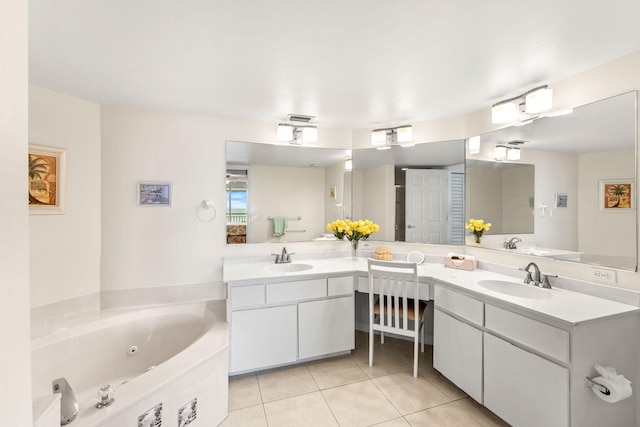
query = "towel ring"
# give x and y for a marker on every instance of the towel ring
(205, 211)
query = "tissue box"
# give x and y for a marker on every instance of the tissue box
(460, 262)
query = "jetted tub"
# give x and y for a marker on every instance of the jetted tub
(169, 362)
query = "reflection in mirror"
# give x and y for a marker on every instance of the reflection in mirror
(503, 193)
(415, 194)
(575, 156)
(283, 193)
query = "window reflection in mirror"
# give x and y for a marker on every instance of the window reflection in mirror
(573, 155)
(288, 192)
(415, 194)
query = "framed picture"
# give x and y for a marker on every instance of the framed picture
(46, 180)
(155, 193)
(332, 192)
(617, 195)
(561, 200)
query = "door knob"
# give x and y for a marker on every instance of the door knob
(411, 226)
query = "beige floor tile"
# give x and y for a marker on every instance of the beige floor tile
(336, 371)
(286, 382)
(359, 404)
(244, 392)
(396, 422)
(445, 386)
(409, 394)
(253, 416)
(385, 362)
(480, 413)
(307, 410)
(449, 415)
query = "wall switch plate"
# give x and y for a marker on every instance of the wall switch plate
(151, 418)
(603, 275)
(187, 413)
(366, 245)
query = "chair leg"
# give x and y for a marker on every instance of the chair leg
(415, 356)
(422, 336)
(371, 338)
(381, 337)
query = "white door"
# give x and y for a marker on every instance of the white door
(426, 206)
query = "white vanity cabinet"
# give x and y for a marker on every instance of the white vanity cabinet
(530, 369)
(274, 324)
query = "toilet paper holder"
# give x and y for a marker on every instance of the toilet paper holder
(588, 382)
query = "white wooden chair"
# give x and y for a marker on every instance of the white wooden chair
(394, 302)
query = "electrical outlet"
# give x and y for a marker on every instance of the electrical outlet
(366, 245)
(603, 275)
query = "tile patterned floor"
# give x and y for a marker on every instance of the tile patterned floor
(345, 391)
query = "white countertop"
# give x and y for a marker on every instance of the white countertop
(562, 305)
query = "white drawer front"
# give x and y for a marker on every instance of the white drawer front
(298, 290)
(245, 296)
(340, 285)
(461, 305)
(547, 339)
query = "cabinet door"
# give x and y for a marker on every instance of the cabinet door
(522, 388)
(326, 326)
(263, 337)
(457, 353)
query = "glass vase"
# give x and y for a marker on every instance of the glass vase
(354, 250)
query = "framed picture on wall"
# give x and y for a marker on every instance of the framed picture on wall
(617, 195)
(561, 200)
(151, 193)
(332, 192)
(46, 180)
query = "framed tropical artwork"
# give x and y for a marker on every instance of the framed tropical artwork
(617, 195)
(152, 193)
(46, 180)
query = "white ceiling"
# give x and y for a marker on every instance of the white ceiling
(352, 64)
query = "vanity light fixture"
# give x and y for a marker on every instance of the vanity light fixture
(401, 135)
(297, 134)
(534, 101)
(348, 165)
(513, 153)
(499, 152)
(473, 145)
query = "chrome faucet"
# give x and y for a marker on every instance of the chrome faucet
(511, 244)
(284, 257)
(68, 403)
(538, 279)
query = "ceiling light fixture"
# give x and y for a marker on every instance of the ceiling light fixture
(348, 164)
(401, 135)
(294, 134)
(473, 145)
(499, 152)
(534, 101)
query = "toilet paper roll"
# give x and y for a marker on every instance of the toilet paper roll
(618, 390)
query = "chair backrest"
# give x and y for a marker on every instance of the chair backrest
(396, 285)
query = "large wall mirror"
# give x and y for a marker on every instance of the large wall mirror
(415, 194)
(572, 194)
(283, 193)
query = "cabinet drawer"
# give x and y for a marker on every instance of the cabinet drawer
(340, 285)
(245, 296)
(298, 290)
(461, 305)
(547, 339)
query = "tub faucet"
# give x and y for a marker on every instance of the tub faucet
(539, 279)
(511, 244)
(68, 402)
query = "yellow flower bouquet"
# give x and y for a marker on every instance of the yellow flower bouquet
(354, 231)
(477, 227)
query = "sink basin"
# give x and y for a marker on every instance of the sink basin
(513, 289)
(288, 267)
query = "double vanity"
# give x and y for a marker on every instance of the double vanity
(523, 352)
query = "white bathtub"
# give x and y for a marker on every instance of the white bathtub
(181, 354)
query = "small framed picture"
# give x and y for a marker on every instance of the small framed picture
(561, 200)
(332, 192)
(616, 195)
(155, 193)
(46, 180)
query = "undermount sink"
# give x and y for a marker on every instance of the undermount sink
(513, 289)
(288, 267)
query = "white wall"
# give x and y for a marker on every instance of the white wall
(65, 249)
(289, 192)
(15, 356)
(334, 175)
(379, 200)
(484, 197)
(516, 213)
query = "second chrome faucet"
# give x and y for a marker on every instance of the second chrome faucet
(538, 279)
